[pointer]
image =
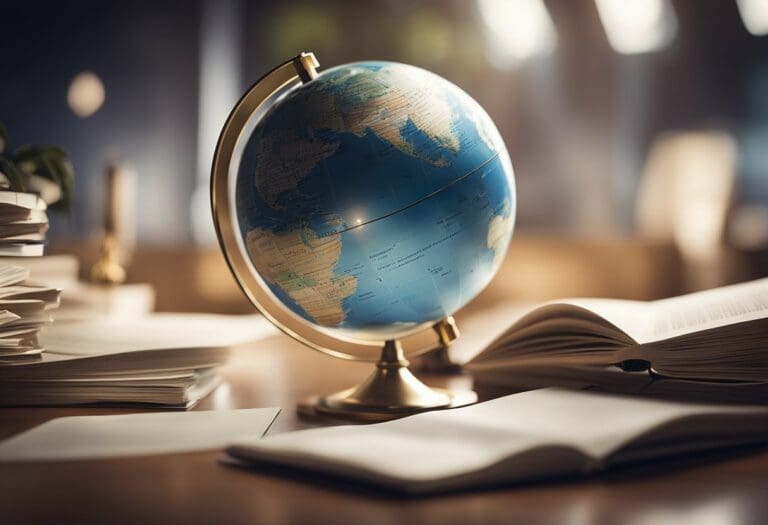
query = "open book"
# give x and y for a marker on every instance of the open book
(528, 436)
(712, 341)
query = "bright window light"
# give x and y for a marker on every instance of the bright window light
(516, 30)
(755, 15)
(637, 26)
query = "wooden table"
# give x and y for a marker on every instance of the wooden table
(193, 488)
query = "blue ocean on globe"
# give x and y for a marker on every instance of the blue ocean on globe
(376, 195)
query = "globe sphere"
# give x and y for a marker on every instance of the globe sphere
(375, 197)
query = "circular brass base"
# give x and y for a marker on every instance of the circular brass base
(392, 391)
(328, 407)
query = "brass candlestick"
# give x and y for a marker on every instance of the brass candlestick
(107, 269)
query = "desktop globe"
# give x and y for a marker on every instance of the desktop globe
(378, 195)
(362, 204)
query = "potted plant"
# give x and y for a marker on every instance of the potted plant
(44, 170)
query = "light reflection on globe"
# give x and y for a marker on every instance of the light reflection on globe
(376, 196)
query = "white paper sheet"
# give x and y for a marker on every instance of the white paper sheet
(156, 331)
(94, 437)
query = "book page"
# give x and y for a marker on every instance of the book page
(634, 318)
(480, 328)
(595, 326)
(708, 309)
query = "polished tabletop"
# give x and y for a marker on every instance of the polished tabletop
(195, 488)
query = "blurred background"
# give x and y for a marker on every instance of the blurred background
(638, 129)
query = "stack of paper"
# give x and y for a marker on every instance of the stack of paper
(24, 306)
(82, 300)
(164, 360)
(23, 223)
(24, 309)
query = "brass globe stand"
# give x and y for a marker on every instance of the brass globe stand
(392, 391)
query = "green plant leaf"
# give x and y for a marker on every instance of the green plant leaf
(52, 163)
(59, 161)
(3, 138)
(12, 172)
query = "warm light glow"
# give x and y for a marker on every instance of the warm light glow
(358, 221)
(86, 94)
(755, 15)
(686, 191)
(637, 26)
(220, 84)
(748, 227)
(516, 30)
